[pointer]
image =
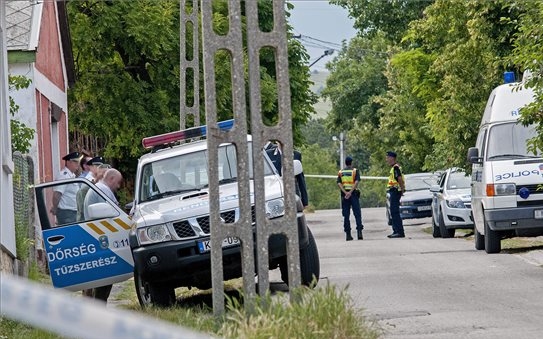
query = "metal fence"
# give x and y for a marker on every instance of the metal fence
(23, 201)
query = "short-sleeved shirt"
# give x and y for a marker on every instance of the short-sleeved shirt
(68, 198)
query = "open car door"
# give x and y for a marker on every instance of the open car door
(91, 248)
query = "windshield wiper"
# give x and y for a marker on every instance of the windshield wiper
(172, 192)
(512, 156)
(228, 180)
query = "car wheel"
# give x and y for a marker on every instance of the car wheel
(492, 239)
(436, 232)
(479, 239)
(153, 294)
(445, 232)
(309, 263)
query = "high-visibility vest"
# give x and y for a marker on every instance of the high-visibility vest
(347, 178)
(392, 182)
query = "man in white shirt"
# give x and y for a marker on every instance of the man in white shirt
(109, 185)
(64, 196)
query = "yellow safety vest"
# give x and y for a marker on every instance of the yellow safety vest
(347, 178)
(392, 182)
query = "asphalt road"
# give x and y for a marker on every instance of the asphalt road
(421, 287)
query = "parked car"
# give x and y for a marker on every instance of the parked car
(451, 204)
(416, 201)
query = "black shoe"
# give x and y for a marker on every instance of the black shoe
(349, 237)
(396, 235)
(360, 237)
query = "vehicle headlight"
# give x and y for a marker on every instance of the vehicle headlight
(275, 208)
(455, 203)
(500, 189)
(152, 234)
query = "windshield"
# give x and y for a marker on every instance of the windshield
(458, 180)
(188, 172)
(418, 182)
(509, 141)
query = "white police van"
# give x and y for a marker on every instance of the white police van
(507, 199)
(171, 238)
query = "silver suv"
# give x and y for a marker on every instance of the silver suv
(171, 240)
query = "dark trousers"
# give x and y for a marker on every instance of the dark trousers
(397, 224)
(346, 205)
(66, 216)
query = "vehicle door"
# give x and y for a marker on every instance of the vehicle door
(438, 196)
(90, 249)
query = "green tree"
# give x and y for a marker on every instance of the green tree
(127, 61)
(467, 42)
(21, 135)
(388, 17)
(527, 55)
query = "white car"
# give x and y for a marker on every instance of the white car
(451, 204)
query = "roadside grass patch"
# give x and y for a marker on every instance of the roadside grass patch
(323, 312)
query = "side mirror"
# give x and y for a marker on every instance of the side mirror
(435, 189)
(473, 156)
(298, 169)
(128, 207)
(102, 210)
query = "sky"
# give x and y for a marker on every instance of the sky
(317, 19)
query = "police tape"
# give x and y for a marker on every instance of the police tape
(60, 312)
(324, 176)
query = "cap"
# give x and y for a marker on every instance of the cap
(74, 156)
(391, 154)
(348, 160)
(96, 161)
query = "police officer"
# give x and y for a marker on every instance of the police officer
(274, 153)
(85, 168)
(64, 196)
(97, 167)
(347, 180)
(395, 188)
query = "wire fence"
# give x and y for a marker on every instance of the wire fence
(24, 210)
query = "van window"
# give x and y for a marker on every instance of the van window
(509, 141)
(481, 141)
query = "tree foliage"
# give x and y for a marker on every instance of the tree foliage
(527, 54)
(443, 59)
(21, 135)
(127, 63)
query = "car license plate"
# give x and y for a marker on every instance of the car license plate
(424, 208)
(538, 214)
(205, 246)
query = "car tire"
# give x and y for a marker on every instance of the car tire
(479, 239)
(436, 232)
(153, 294)
(492, 239)
(445, 232)
(309, 263)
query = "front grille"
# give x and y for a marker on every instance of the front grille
(419, 202)
(183, 229)
(529, 203)
(532, 188)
